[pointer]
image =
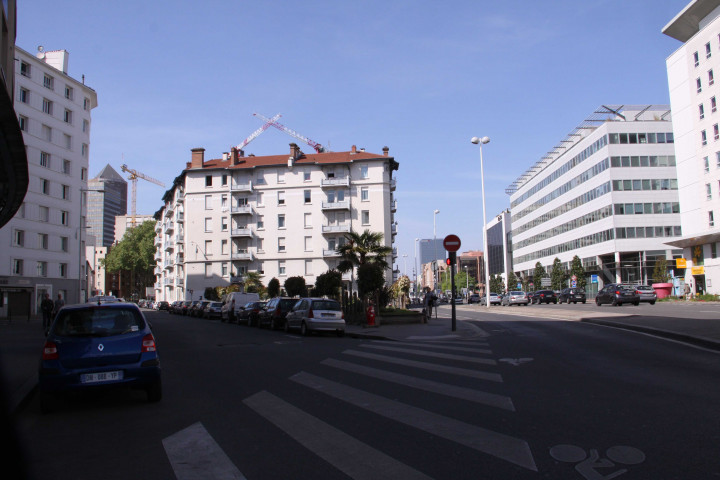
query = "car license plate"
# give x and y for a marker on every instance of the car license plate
(328, 315)
(101, 377)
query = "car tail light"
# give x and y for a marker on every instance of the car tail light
(148, 343)
(50, 351)
(310, 313)
(617, 292)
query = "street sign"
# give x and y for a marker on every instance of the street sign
(451, 243)
(574, 278)
(574, 284)
(545, 281)
(593, 279)
(519, 286)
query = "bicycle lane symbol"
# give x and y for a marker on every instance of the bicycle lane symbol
(587, 465)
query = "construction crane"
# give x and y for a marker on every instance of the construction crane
(134, 175)
(257, 132)
(318, 148)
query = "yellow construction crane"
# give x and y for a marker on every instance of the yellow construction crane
(134, 175)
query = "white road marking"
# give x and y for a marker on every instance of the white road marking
(516, 361)
(430, 345)
(505, 447)
(469, 394)
(195, 455)
(465, 372)
(422, 353)
(352, 457)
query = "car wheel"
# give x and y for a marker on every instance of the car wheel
(597, 301)
(636, 303)
(652, 303)
(555, 302)
(619, 304)
(304, 330)
(154, 392)
(340, 333)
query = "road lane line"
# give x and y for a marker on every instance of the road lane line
(505, 447)
(351, 456)
(428, 345)
(465, 372)
(469, 394)
(423, 353)
(195, 455)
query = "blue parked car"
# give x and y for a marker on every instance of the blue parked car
(97, 345)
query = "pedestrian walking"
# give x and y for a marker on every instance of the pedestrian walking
(47, 306)
(231, 312)
(59, 303)
(428, 303)
(687, 292)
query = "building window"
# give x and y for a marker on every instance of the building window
(281, 198)
(48, 81)
(208, 224)
(701, 108)
(224, 247)
(364, 172)
(364, 194)
(47, 106)
(86, 104)
(208, 180)
(65, 217)
(308, 244)
(713, 105)
(281, 176)
(43, 241)
(45, 186)
(44, 214)
(307, 196)
(713, 250)
(306, 176)
(83, 173)
(68, 92)
(208, 202)
(708, 50)
(281, 244)
(64, 244)
(25, 69)
(259, 243)
(223, 203)
(281, 267)
(308, 220)
(260, 197)
(708, 191)
(84, 150)
(281, 220)
(66, 192)
(716, 131)
(68, 141)
(47, 133)
(42, 269)
(224, 224)
(66, 166)
(260, 222)
(711, 219)
(23, 121)
(18, 266)
(208, 248)
(366, 217)
(711, 77)
(703, 137)
(224, 270)
(63, 270)
(706, 162)
(45, 159)
(260, 180)
(67, 117)
(24, 95)
(698, 84)
(208, 270)
(308, 267)
(696, 58)
(19, 238)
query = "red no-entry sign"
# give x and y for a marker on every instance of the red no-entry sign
(451, 243)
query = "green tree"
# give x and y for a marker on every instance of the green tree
(363, 248)
(253, 284)
(211, 294)
(134, 255)
(496, 284)
(558, 276)
(273, 288)
(538, 275)
(371, 278)
(295, 286)
(660, 272)
(577, 269)
(328, 284)
(512, 281)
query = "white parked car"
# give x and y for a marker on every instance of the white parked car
(494, 299)
(316, 315)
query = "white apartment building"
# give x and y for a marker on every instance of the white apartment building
(280, 216)
(694, 97)
(44, 251)
(607, 193)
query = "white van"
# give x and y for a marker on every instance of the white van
(241, 299)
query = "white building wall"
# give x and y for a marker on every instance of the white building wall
(62, 141)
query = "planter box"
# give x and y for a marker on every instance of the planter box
(663, 290)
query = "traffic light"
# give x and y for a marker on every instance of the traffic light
(452, 256)
(448, 262)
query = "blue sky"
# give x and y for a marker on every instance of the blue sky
(419, 77)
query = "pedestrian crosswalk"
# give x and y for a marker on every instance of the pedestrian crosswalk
(465, 362)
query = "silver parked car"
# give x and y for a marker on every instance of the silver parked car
(494, 299)
(515, 298)
(646, 293)
(316, 315)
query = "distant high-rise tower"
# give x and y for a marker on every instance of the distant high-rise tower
(105, 205)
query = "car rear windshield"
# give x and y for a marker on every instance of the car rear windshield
(288, 303)
(326, 305)
(517, 293)
(98, 322)
(645, 287)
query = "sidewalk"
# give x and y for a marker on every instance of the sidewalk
(20, 347)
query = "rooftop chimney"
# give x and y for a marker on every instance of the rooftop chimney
(197, 158)
(234, 156)
(386, 150)
(294, 151)
(354, 149)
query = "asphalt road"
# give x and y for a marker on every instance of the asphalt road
(530, 398)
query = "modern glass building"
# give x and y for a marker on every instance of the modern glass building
(106, 204)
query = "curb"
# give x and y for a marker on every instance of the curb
(681, 337)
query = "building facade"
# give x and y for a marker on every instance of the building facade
(107, 199)
(693, 98)
(45, 238)
(607, 193)
(499, 248)
(280, 216)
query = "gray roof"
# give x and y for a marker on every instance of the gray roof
(109, 174)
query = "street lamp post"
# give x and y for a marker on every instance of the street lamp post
(435, 270)
(415, 266)
(467, 284)
(480, 142)
(405, 263)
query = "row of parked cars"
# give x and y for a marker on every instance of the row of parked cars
(614, 294)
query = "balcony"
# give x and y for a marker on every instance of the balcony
(169, 226)
(158, 286)
(347, 276)
(242, 255)
(180, 197)
(393, 184)
(237, 278)
(179, 258)
(241, 232)
(167, 281)
(241, 209)
(158, 227)
(180, 217)
(167, 263)
(241, 187)
(393, 206)
(330, 253)
(394, 253)
(169, 247)
(158, 270)
(393, 229)
(345, 228)
(158, 241)
(336, 205)
(158, 255)
(336, 182)
(180, 238)
(169, 211)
